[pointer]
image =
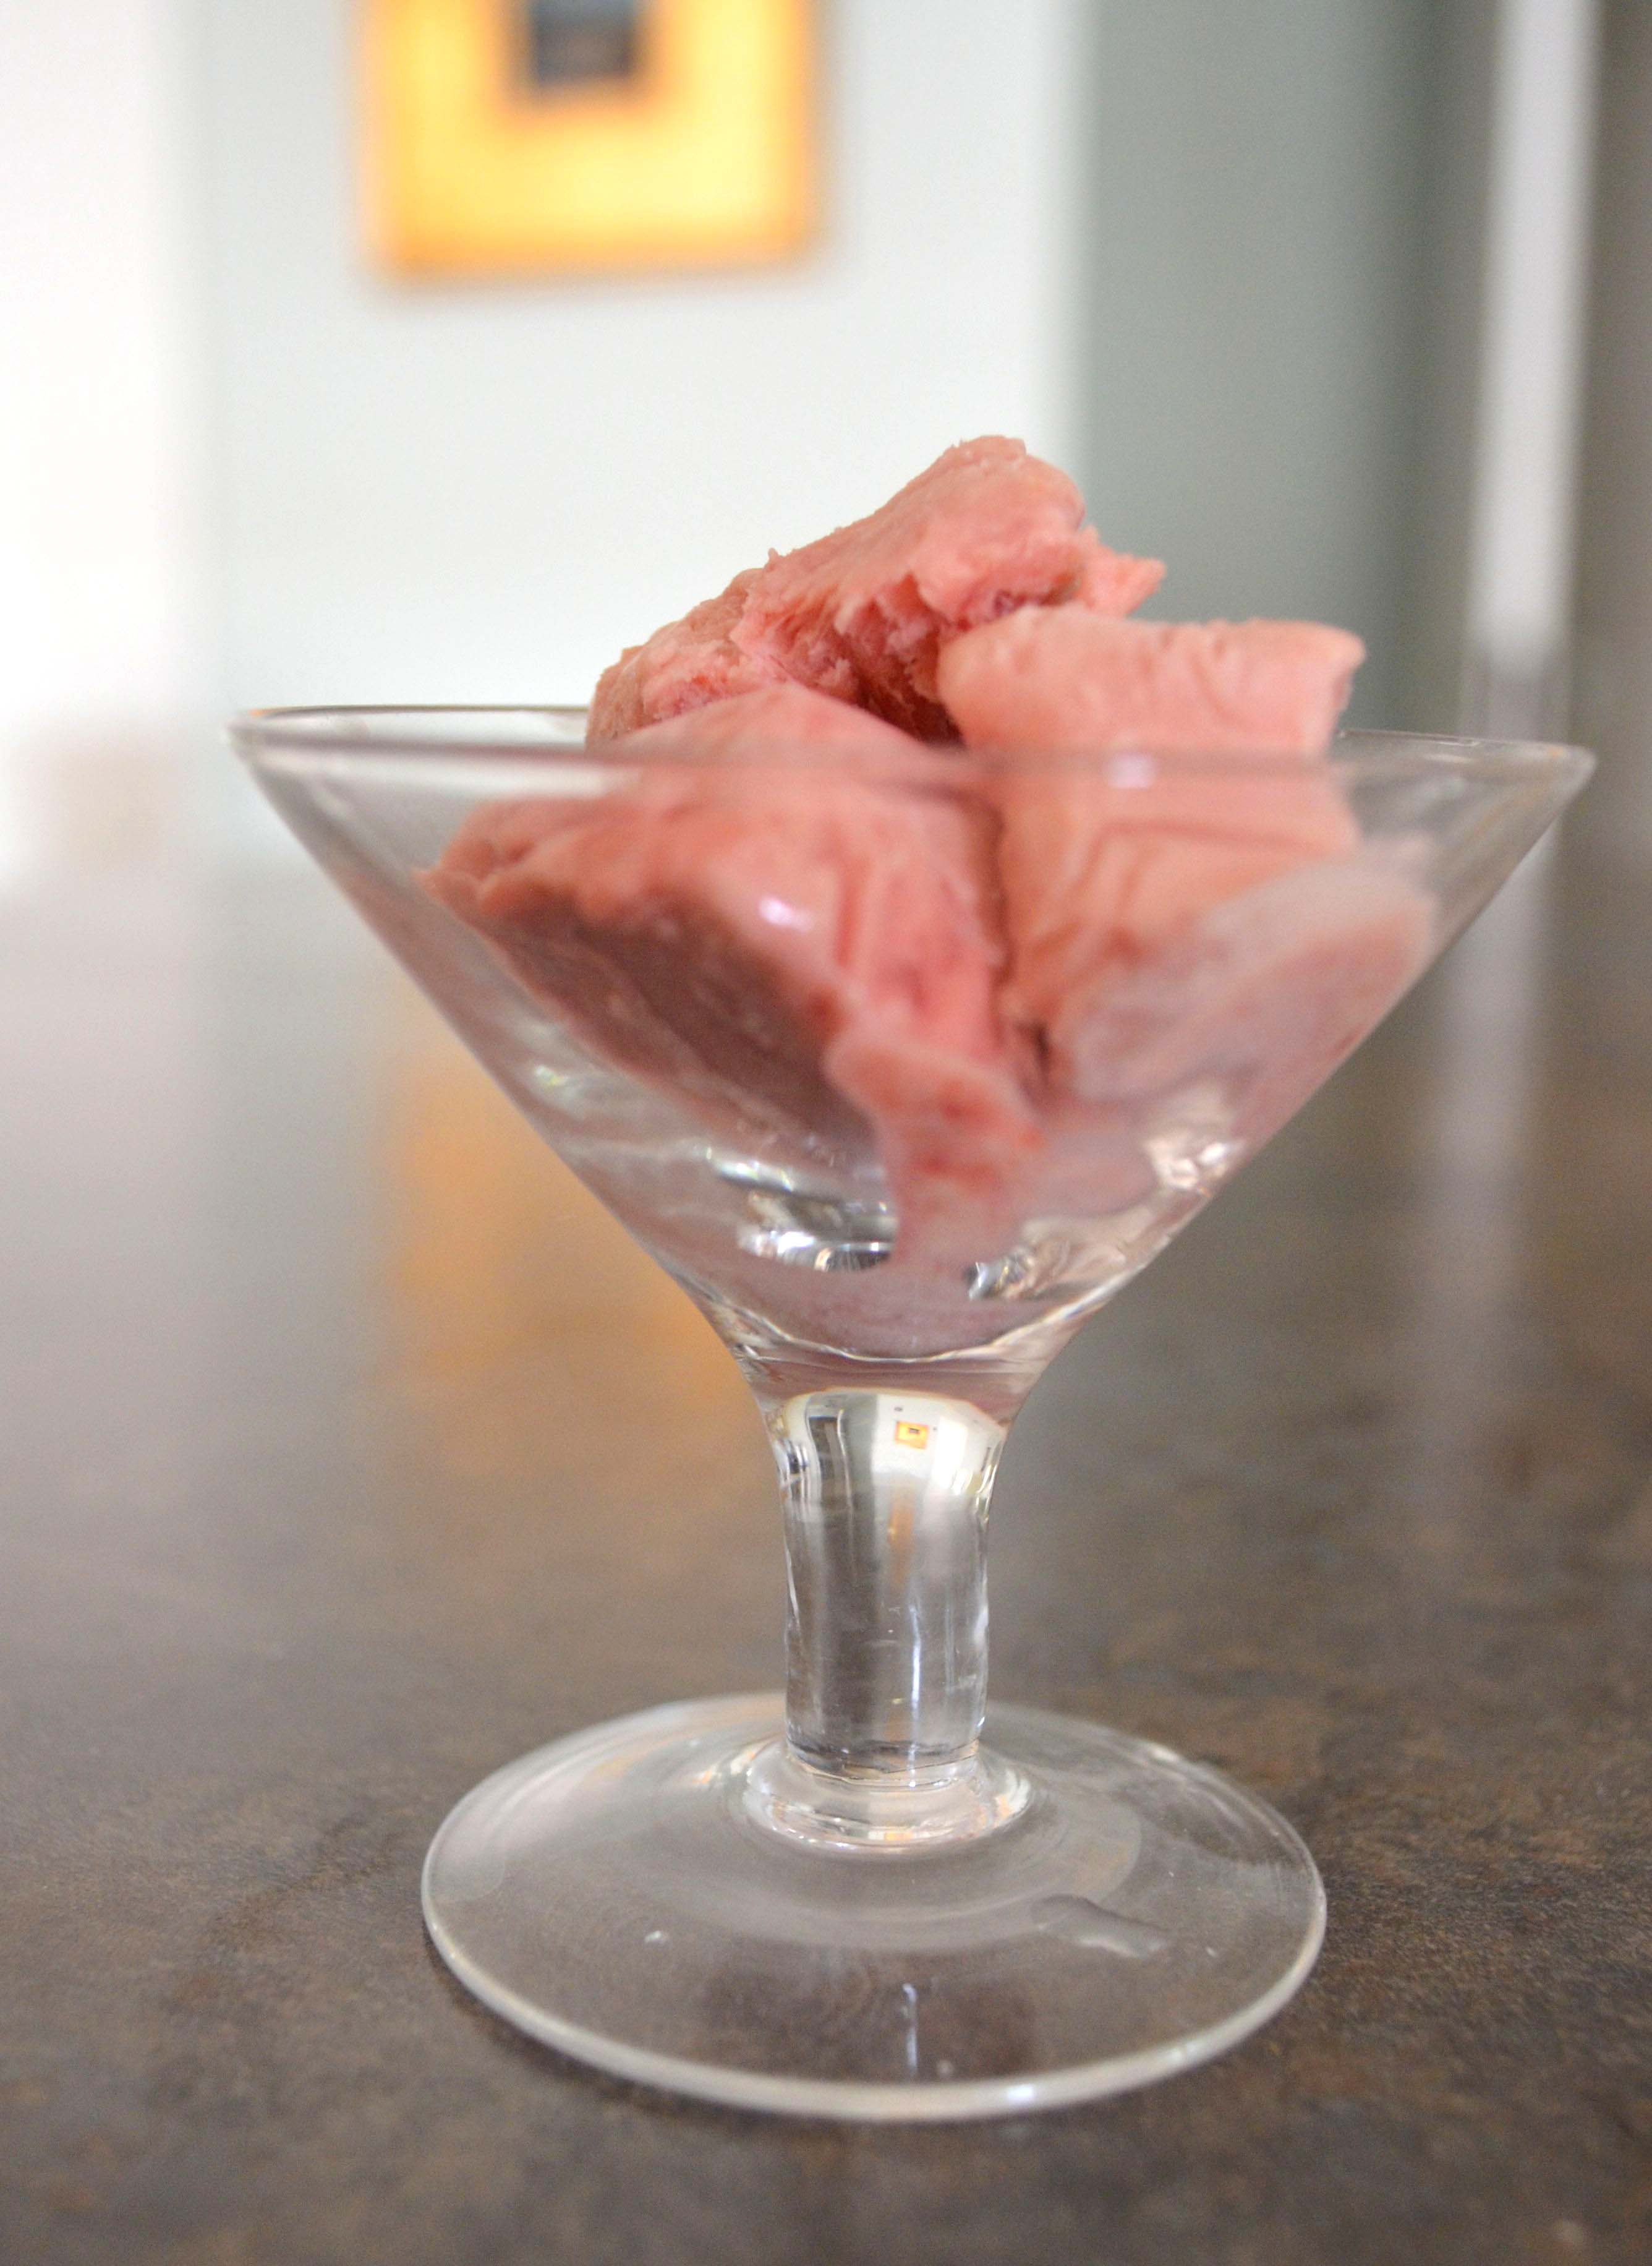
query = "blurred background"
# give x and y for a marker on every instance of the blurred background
(1344, 309)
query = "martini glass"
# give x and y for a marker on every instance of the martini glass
(872, 1896)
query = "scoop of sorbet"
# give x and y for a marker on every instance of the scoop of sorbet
(1219, 788)
(814, 947)
(864, 613)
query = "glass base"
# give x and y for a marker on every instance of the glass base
(631, 1897)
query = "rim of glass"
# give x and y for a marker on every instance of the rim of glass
(553, 735)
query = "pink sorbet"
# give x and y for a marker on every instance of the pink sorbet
(864, 613)
(812, 947)
(1217, 788)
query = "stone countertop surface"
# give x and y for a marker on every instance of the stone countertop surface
(348, 1450)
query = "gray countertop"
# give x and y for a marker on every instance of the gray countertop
(348, 1450)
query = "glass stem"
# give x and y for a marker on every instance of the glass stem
(886, 1499)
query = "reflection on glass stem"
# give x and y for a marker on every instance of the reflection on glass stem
(884, 1498)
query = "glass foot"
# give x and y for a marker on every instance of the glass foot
(630, 1896)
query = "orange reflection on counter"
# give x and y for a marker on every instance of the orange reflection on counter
(524, 1321)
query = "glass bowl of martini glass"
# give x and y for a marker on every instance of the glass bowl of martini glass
(762, 1004)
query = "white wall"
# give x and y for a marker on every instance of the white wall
(95, 561)
(479, 493)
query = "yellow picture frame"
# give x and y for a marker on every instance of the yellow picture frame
(705, 156)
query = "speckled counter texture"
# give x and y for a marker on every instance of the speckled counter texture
(347, 1451)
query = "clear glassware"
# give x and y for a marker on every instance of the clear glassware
(872, 1895)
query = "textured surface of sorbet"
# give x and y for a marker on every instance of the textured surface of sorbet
(1267, 992)
(1101, 868)
(791, 914)
(811, 945)
(1066, 679)
(864, 613)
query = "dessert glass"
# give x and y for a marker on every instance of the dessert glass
(873, 1896)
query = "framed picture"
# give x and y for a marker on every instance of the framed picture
(544, 136)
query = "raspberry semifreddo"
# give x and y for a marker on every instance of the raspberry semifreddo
(991, 969)
(1154, 926)
(864, 613)
(813, 947)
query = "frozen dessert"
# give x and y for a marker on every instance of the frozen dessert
(912, 844)
(1067, 681)
(1105, 869)
(864, 613)
(814, 947)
